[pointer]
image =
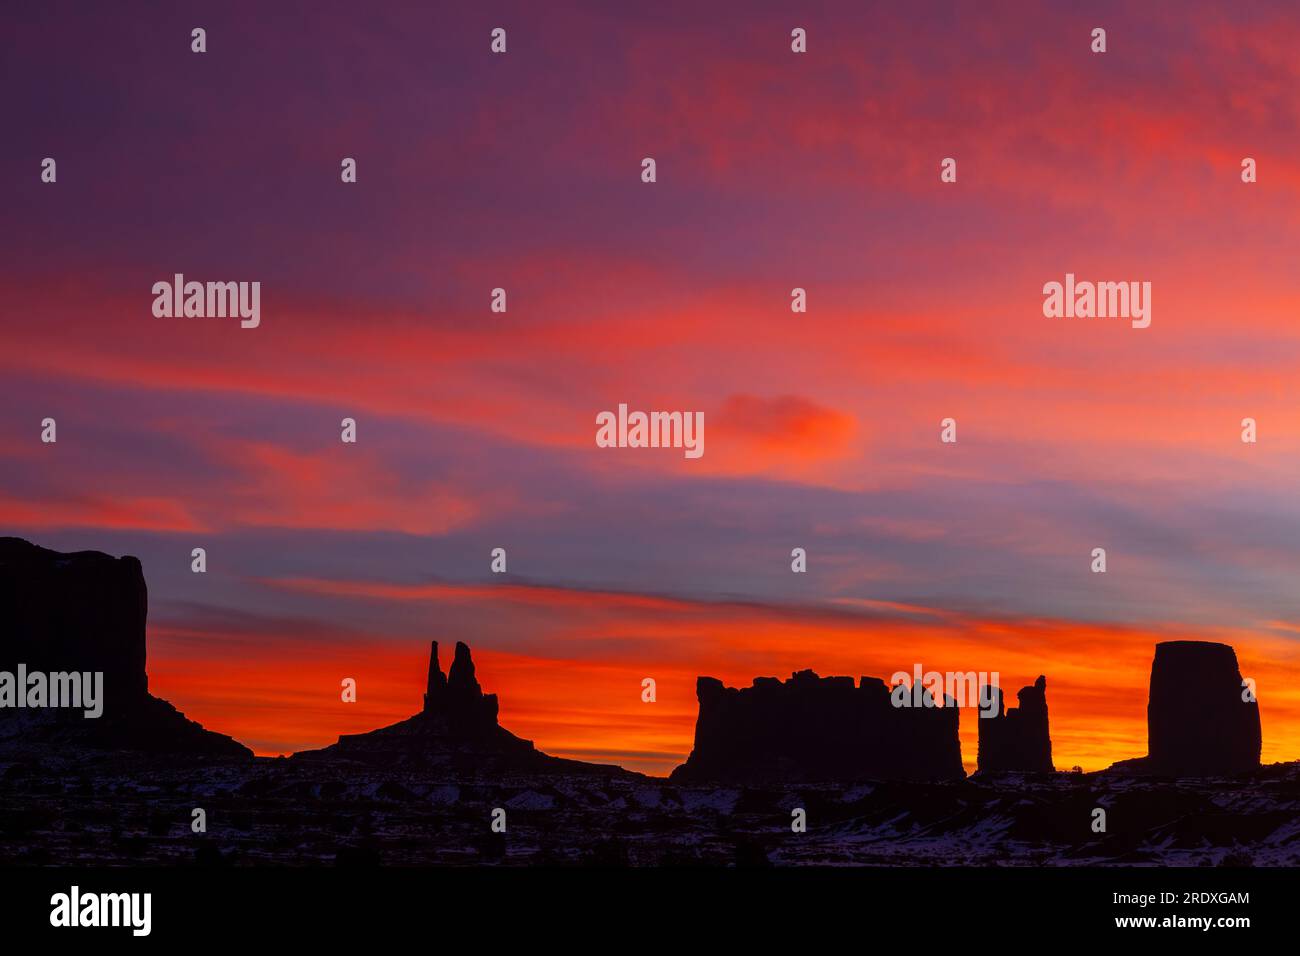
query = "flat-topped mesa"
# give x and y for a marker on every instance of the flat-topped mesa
(1198, 720)
(77, 611)
(1017, 739)
(84, 612)
(811, 728)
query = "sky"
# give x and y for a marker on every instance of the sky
(475, 429)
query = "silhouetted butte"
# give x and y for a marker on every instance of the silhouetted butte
(85, 611)
(818, 728)
(1200, 719)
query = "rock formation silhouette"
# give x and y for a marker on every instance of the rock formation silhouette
(1017, 739)
(457, 730)
(435, 691)
(819, 728)
(85, 611)
(457, 698)
(1198, 721)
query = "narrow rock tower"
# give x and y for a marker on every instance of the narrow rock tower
(436, 689)
(1019, 738)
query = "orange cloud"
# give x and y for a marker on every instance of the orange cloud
(786, 436)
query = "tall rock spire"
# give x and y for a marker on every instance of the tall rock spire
(461, 682)
(437, 686)
(456, 732)
(457, 697)
(1017, 738)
